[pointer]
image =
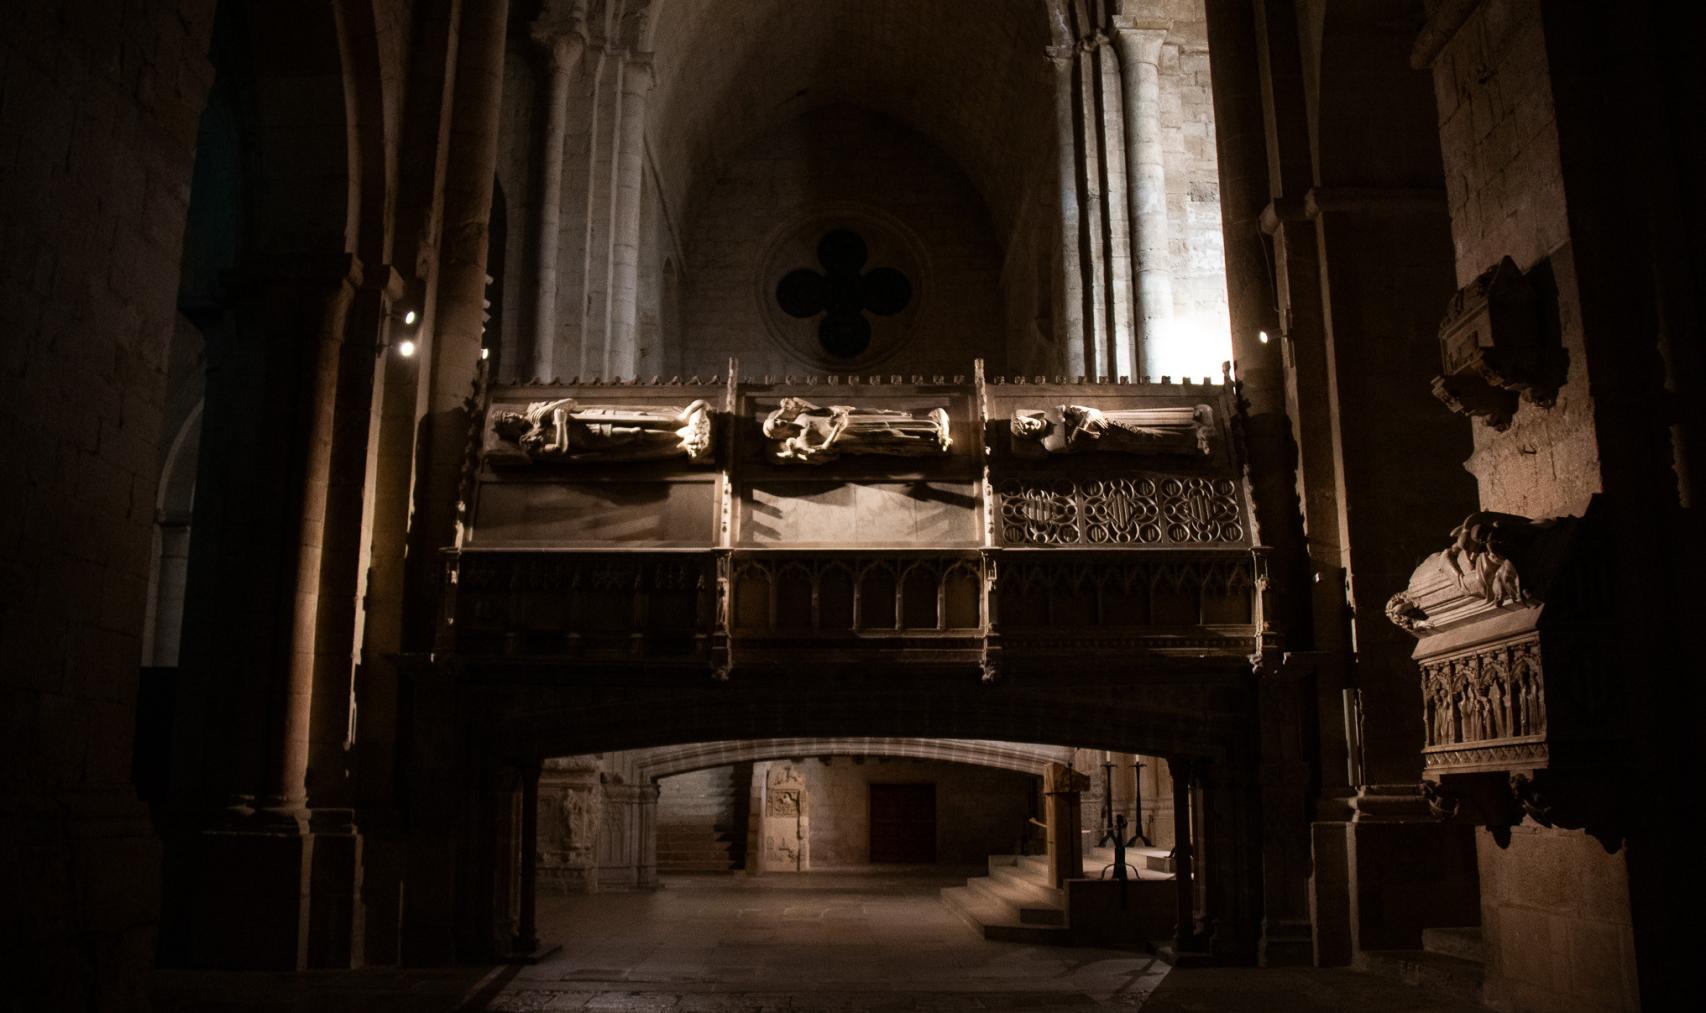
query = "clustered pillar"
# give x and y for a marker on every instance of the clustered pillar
(1114, 303)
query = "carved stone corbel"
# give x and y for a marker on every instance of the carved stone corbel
(1493, 351)
(1442, 804)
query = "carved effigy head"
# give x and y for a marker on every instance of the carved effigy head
(511, 426)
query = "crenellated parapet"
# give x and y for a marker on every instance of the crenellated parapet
(956, 521)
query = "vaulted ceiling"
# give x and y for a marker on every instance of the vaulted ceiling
(973, 76)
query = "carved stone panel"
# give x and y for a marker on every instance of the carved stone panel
(1159, 510)
(1485, 710)
(784, 821)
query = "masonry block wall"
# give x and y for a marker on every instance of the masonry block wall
(97, 137)
(1505, 186)
(1554, 905)
(1195, 244)
(839, 158)
(980, 811)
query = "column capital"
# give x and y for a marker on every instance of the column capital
(560, 30)
(638, 68)
(1283, 210)
(562, 49)
(1140, 38)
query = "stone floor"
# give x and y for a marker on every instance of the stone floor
(823, 941)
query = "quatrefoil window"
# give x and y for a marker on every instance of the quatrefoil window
(843, 292)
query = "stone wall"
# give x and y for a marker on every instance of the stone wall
(1504, 184)
(1195, 245)
(1555, 917)
(840, 158)
(980, 811)
(1554, 906)
(97, 137)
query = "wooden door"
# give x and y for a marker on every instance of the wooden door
(903, 823)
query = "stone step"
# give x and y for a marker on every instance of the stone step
(1452, 975)
(997, 922)
(1029, 888)
(701, 851)
(1143, 859)
(1464, 943)
(1024, 905)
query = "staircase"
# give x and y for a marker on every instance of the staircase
(696, 831)
(1015, 903)
(1451, 960)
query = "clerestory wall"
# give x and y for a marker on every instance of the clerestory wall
(843, 162)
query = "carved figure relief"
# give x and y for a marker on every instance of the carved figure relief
(1483, 553)
(566, 430)
(582, 814)
(804, 433)
(784, 818)
(1484, 697)
(784, 803)
(1084, 429)
(1500, 560)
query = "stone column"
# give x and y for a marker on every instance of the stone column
(563, 48)
(1283, 702)
(621, 356)
(1069, 294)
(526, 927)
(1063, 790)
(453, 335)
(1114, 182)
(1185, 895)
(286, 785)
(646, 864)
(165, 629)
(241, 838)
(1139, 41)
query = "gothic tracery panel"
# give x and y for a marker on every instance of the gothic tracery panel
(1138, 510)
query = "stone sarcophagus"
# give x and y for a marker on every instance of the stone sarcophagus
(1519, 711)
(936, 521)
